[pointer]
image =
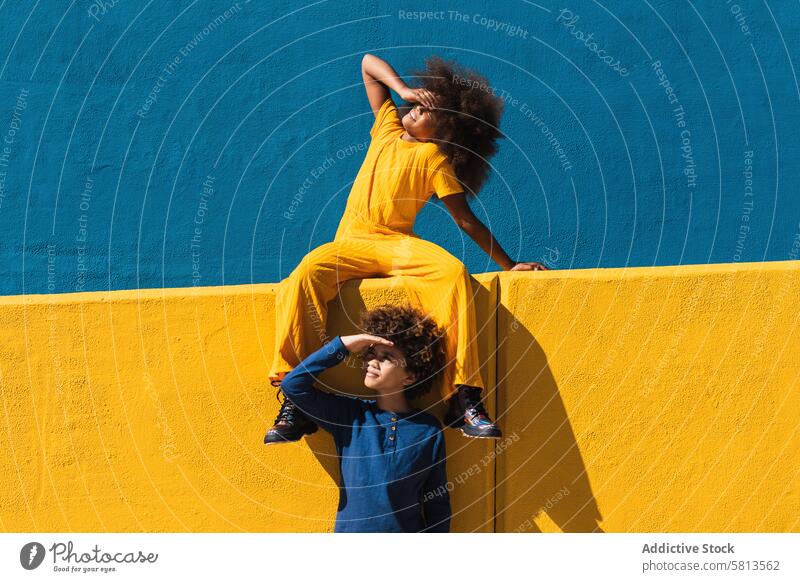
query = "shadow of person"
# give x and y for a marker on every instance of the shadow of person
(541, 475)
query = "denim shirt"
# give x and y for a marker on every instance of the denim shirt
(392, 463)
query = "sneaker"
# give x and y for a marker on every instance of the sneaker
(466, 412)
(290, 424)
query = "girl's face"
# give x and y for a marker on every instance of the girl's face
(420, 123)
(385, 369)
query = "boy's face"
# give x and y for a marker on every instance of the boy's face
(420, 123)
(385, 369)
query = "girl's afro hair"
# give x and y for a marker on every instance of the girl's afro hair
(467, 119)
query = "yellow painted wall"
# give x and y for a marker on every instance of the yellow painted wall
(651, 399)
(648, 399)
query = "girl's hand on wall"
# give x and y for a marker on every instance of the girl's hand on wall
(529, 267)
(358, 343)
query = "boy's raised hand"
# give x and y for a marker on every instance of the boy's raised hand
(358, 343)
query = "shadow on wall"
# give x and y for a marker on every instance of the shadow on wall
(542, 473)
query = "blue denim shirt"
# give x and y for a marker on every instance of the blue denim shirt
(392, 463)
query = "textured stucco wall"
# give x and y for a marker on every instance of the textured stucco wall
(130, 411)
(160, 144)
(654, 399)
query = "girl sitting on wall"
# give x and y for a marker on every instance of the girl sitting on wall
(442, 147)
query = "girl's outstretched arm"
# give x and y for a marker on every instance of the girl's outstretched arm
(379, 77)
(461, 212)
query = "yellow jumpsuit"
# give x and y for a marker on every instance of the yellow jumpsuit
(375, 238)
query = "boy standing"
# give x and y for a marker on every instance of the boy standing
(392, 455)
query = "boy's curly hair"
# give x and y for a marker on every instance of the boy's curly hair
(468, 119)
(417, 336)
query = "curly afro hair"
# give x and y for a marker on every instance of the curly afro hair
(467, 119)
(417, 336)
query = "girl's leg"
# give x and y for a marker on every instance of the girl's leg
(301, 307)
(301, 311)
(440, 284)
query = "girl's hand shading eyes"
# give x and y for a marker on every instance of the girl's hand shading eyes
(421, 96)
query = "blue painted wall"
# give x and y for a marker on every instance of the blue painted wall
(160, 144)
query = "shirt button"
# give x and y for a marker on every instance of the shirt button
(391, 437)
(394, 419)
(394, 428)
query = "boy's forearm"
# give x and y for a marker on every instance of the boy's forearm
(382, 72)
(330, 411)
(484, 238)
(299, 383)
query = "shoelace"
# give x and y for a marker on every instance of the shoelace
(287, 411)
(473, 400)
(478, 407)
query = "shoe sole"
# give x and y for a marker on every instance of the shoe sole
(459, 423)
(460, 426)
(476, 436)
(281, 441)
